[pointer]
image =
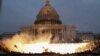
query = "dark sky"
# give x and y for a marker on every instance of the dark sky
(85, 14)
(0, 5)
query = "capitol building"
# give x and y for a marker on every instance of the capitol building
(48, 21)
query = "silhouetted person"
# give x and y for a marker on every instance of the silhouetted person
(15, 46)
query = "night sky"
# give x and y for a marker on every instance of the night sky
(85, 14)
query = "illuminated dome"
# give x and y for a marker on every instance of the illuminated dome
(47, 15)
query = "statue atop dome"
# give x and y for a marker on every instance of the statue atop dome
(47, 1)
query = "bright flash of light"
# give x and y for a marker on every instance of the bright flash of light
(63, 48)
(24, 44)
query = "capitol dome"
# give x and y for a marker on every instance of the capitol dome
(47, 15)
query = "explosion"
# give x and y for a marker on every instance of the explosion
(25, 43)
